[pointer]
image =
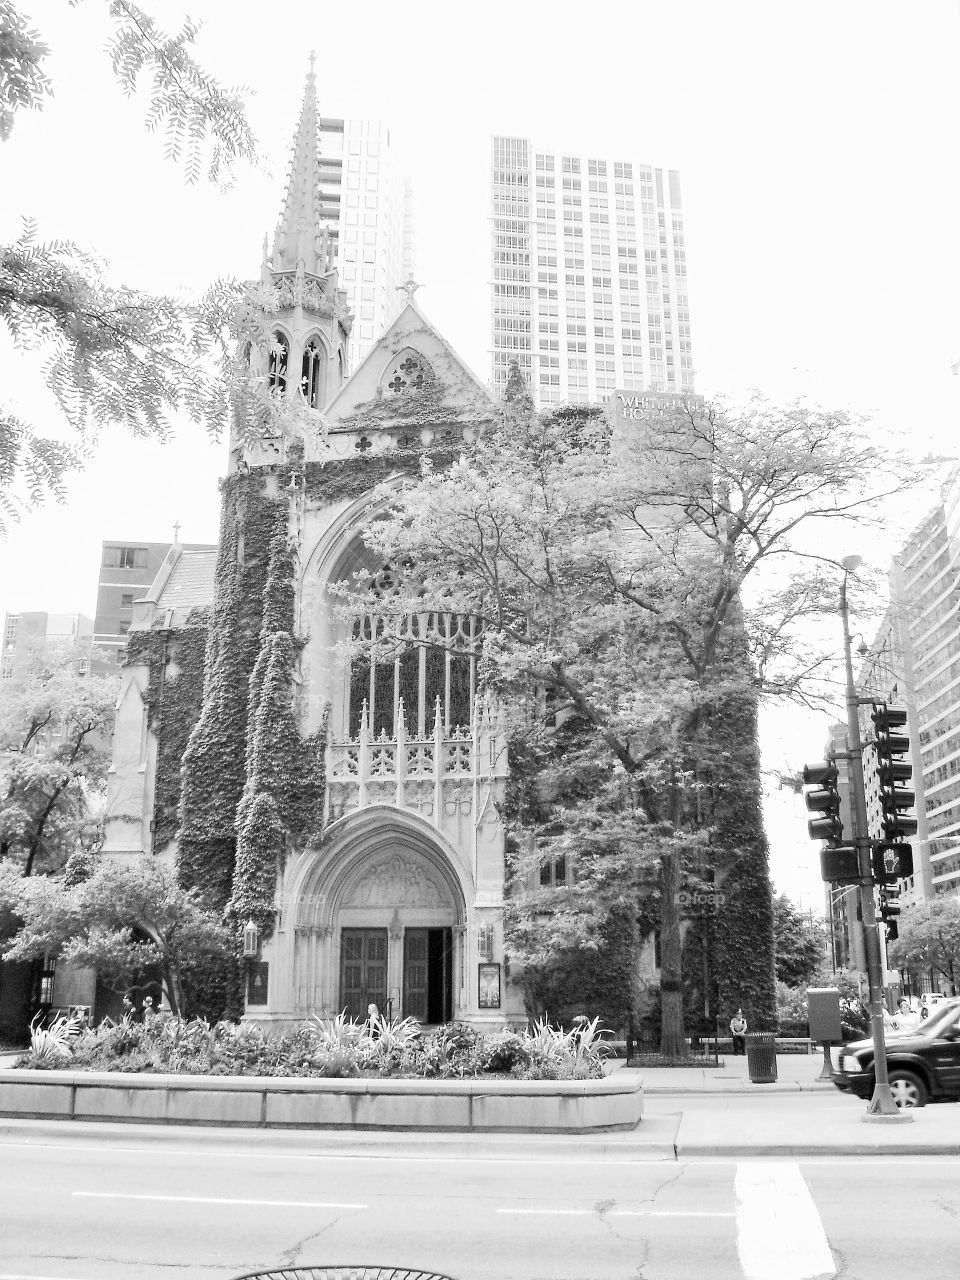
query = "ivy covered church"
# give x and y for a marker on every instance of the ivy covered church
(345, 810)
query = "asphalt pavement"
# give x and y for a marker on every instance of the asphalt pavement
(129, 1202)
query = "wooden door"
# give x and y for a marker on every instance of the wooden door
(363, 970)
(415, 974)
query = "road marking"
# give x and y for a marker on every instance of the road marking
(18, 1275)
(273, 1204)
(779, 1232)
(624, 1213)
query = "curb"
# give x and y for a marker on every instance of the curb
(809, 1150)
(738, 1090)
(358, 1144)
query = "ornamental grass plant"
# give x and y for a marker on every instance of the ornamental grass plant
(330, 1048)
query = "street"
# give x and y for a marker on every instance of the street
(108, 1202)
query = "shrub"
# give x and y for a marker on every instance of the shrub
(338, 1047)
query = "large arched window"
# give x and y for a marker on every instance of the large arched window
(312, 373)
(279, 359)
(437, 662)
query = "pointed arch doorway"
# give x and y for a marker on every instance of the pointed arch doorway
(391, 906)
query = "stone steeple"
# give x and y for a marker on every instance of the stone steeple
(298, 237)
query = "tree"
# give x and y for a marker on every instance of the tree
(609, 574)
(54, 752)
(930, 939)
(800, 943)
(116, 354)
(125, 919)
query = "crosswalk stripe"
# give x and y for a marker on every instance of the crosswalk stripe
(779, 1232)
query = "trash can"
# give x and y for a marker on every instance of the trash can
(762, 1057)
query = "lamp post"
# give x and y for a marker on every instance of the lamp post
(882, 1103)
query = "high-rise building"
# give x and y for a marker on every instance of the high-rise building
(364, 203)
(925, 585)
(589, 275)
(26, 633)
(127, 571)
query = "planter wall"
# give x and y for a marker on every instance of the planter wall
(517, 1106)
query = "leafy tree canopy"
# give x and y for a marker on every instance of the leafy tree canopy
(114, 353)
(930, 939)
(800, 942)
(609, 572)
(54, 752)
(124, 919)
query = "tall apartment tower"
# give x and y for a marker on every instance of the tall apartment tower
(588, 275)
(365, 204)
(25, 633)
(925, 586)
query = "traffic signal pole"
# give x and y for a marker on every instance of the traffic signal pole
(882, 1103)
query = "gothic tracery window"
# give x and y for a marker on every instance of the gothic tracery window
(409, 372)
(437, 662)
(279, 358)
(311, 375)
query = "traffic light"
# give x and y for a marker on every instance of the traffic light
(839, 864)
(892, 771)
(825, 800)
(890, 910)
(892, 862)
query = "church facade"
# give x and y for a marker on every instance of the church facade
(342, 808)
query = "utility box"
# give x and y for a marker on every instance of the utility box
(823, 1015)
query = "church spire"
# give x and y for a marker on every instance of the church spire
(298, 232)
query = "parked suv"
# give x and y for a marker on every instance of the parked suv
(921, 1064)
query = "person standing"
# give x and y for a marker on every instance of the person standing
(738, 1029)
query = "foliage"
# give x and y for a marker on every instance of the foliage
(174, 660)
(125, 919)
(117, 354)
(52, 1045)
(800, 944)
(930, 939)
(335, 1047)
(607, 573)
(54, 752)
(214, 764)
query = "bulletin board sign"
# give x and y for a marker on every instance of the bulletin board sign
(257, 974)
(488, 984)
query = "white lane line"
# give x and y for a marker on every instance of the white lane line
(273, 1204)
(19, 1275)
(624, 1213)
(779, 1232)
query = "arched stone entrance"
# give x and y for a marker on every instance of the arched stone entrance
(380, 918)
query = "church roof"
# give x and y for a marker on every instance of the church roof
(189, 585)
(456, 395)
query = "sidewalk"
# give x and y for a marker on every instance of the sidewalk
(796, 1073)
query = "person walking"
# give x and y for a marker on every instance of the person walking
(738, 1029)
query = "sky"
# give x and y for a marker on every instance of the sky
(817, 144)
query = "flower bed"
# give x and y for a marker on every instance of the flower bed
(335, 1048)
(332, 1074)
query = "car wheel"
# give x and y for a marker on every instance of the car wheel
(908, 1090)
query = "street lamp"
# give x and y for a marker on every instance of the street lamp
(882, 1105)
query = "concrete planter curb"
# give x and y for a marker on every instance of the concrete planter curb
(464, 1106)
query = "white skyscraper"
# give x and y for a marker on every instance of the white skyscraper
(365, 202)
(589, 275)
(344, 179)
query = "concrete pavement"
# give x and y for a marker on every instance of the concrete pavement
(688, 1112)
